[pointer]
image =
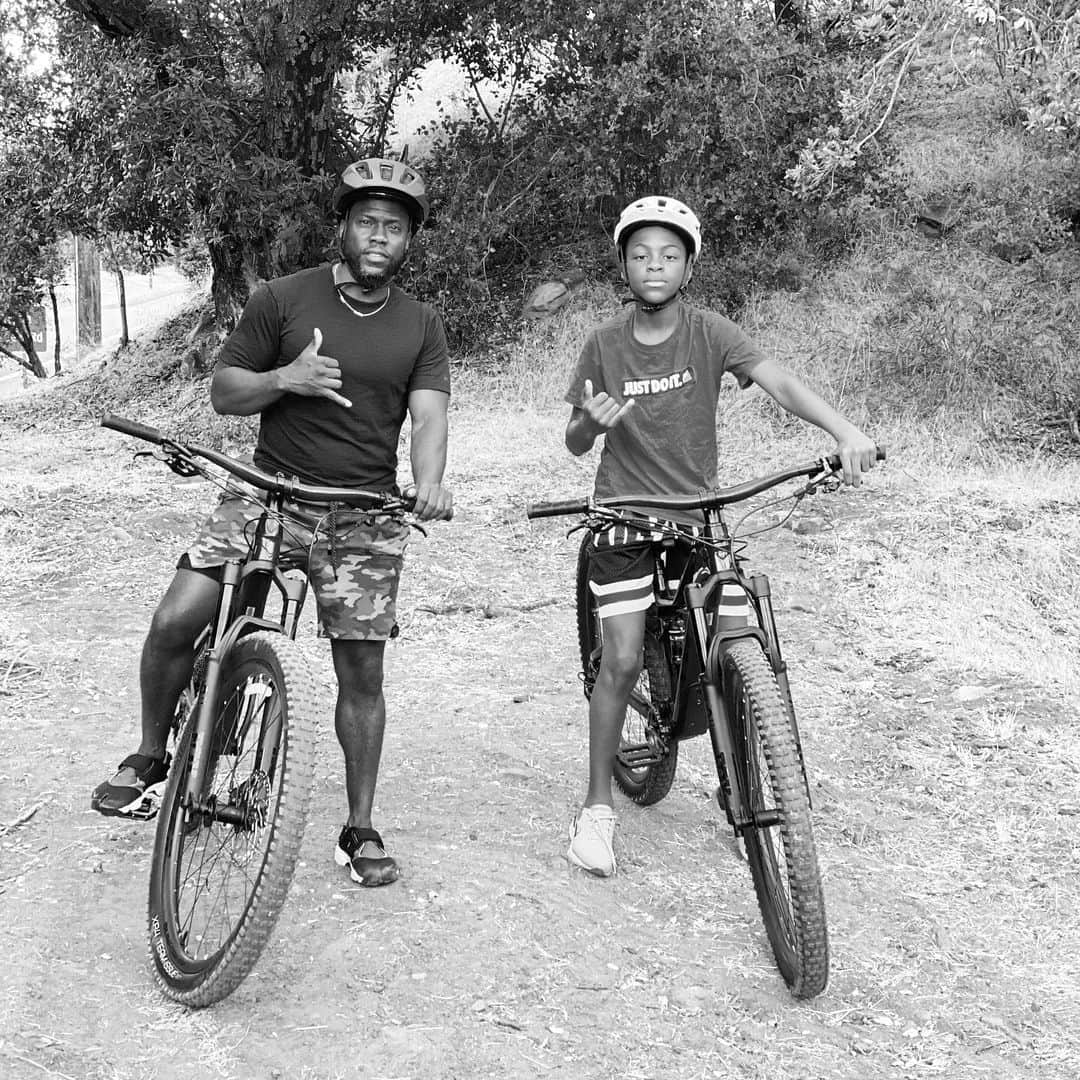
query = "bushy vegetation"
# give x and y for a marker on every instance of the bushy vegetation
(923, 154)
(703, 101)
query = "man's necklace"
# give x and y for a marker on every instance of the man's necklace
(361, 314)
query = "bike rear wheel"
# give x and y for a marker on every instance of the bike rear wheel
(780, 849)
(216, 886)
(646, 760)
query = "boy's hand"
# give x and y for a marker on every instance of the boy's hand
(312, 375)
(601, 409)
(857, 453)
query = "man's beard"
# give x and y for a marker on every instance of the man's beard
(371, 282)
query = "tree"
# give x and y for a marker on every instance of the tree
(29, 259)
(225, 124)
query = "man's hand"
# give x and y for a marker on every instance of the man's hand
(603, 411)
(857, 453)
(312, 375)
(433, 501)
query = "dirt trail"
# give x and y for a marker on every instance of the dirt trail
(948, 838)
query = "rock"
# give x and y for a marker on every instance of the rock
(935, 219)
(547, 298)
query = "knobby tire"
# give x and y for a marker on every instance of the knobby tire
(203, 942)
(645, 784)
(783, 859)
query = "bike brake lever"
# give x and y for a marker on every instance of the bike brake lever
(181, 465)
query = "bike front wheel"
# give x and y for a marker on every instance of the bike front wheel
(646, 760)
(219, 878)
(780, 845)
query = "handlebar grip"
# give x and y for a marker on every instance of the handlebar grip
(833, 460)
(131, 427)
(556, 509)
(408, 501)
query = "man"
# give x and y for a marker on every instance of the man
(331, 359)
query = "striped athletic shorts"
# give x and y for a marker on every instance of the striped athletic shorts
(623, 571)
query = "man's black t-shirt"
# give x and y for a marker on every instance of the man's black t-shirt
(383, 357)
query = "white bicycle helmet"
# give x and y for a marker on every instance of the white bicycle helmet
(386, 179)
(660, 210)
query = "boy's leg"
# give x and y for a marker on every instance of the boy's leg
(622, 581)
(620, 665)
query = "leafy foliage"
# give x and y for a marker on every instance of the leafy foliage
(1035, 48)
(29, 261)
(705, 101)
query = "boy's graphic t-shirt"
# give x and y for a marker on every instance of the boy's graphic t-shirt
(665, 444)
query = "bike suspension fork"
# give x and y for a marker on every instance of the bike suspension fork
(720, 735)
(762, 591)
(230, 576)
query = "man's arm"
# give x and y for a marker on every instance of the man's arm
(427, 412)
(237, 391)
(857, 451)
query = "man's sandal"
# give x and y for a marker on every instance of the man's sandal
(364, 869)
(138, 798)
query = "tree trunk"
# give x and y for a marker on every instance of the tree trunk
(231, 282)
(56, 329)
(122, 294)
(19, 328)
(88, 293)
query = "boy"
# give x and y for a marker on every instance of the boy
(648, 381)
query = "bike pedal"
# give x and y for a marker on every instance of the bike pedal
(147, 807)
(637, 757)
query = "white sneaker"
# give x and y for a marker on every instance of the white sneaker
(590, 840)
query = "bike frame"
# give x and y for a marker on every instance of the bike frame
(242, 598)
(698, 702)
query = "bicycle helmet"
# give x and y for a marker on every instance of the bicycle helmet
(383, 178)
(660, 210)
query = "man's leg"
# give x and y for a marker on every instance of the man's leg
(168, 653)
(165, 667)
(360, 719)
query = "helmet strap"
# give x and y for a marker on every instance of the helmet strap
(650, 309)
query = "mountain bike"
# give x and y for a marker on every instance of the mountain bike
(712, 663)
(235, 806)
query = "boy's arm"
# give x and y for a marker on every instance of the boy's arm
(596, 414)
(857, 451)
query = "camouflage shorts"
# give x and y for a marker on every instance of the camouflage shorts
(355, 591)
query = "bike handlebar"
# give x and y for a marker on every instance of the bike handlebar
(284, 485)
(709, 500)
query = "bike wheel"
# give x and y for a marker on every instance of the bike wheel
(646, 761)
(216, 886)
(780, 850)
